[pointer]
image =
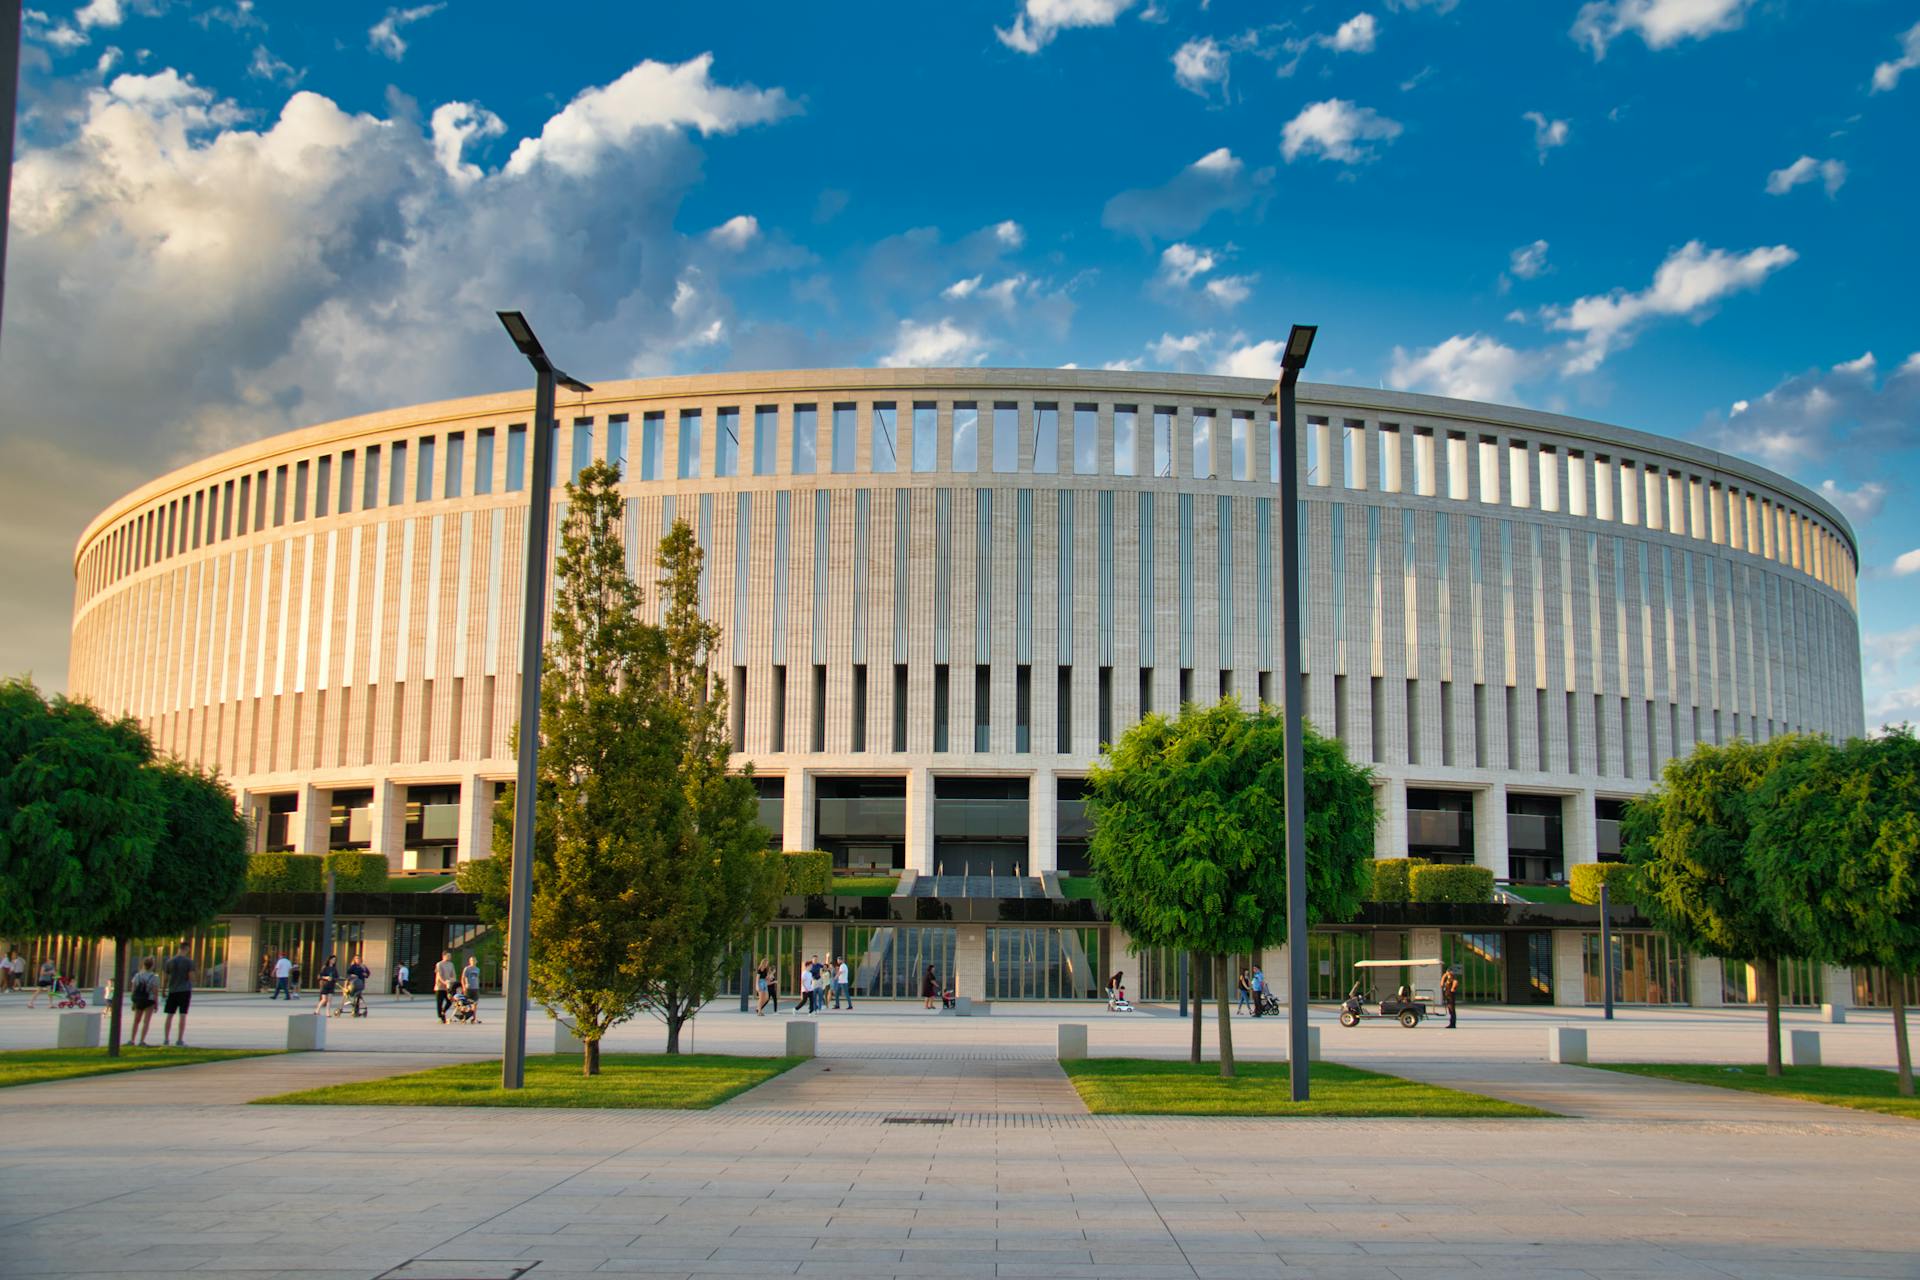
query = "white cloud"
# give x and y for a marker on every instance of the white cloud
(1180, 263)
(736, 233)
(1199, 65)
(1547, 134)
(1691, 280)
(1907, 562)
(1529, 261)
(1125, 366)
(962, 288)
(383, 37)
(1466, 367)
(1807, 169)
(1175, 350)
(267, 67)
(99, 13)
(1355, 35)
(1843, 413)
(1860, 503)
(653, 95)
(1217, 182)
(1230, 291)
(1438, 6)
(1336, 130)
(453, 126)
(1010, 233)
(941, 343)
(1887, 75)
(1659, 23)
(1252, 360)
(1039, 21)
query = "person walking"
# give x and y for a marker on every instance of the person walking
(1449, 995)
(16, 970)
(1257, 984)
(180, 972)
(760, 989)
(470, 986)
(329, 977)
(443, 981)
(841, 988)
(43, 985)
(402, 976)
(6, 971)
(282, 978)
(1246, 993)
(143, 994)
(805, 1003)
(822, 979)
(929, 989)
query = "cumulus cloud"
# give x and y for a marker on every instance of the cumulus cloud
(1180, 263)
(736, 233)
(1886, 76)
(1862, 502)
(1215, 183)
(1660, 23)
(1832, 173)
(1355, 35)
(1465, 366)
(1039, 21)
(1907, 562)
(267, 67)
(1844, 412)
(1547, 134)
(937, 344)
(1229, 291)
(453, 126)
(384, 38)
(1336, 130)
(99, 13)
(1179, 277)
(1252, 360)
(1529, 261)
(1691, 280)
(1199, 65)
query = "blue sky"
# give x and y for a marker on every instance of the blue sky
(1687, 216)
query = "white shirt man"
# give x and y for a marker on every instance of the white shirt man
(806, 990)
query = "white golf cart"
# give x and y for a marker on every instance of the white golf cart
(1407, 1005)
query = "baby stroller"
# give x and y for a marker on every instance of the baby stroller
(354, 1000)
(67, 994)
(463, 1009)
(1265, 1004)
(1117, 1001)
(946, 998)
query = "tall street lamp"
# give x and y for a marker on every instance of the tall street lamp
(1292, 361)
(513, 1063)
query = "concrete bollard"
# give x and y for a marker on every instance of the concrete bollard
(78, 1030)
(803, 1039)
(1833, 1013)
(963, 1006)
(1072, 1042)
(306, 1032)
(564, 1041)
(1566, 1044)
(1803, 1048)
(1313, 1044)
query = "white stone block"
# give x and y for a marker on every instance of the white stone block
(78, 1030)
(963, 1006)
(1803, 1048)
(306, 1032)
(1833, 1013)
(564, 1041)
(1566, 1044)
(803, 1039)
(1072, 1041)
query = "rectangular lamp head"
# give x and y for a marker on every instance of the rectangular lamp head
(522, 334)
(1299, 346)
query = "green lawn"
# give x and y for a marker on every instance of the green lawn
(1143, 1086)
(1078, 887)
(691, 1082)
(865, 886)
(34, 1066)
(417, 884)
(1862, 1088)
(1543, 893)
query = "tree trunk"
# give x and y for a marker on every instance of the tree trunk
(674, 1021)
(1770, 987)
(1193, 996)
(1902, 1052)
(119, 995)
(1226, 1016)
(590, 1057)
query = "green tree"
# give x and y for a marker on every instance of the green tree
(1698, 866)
(199, 866)
(1837, 835)
(718, 885)
(79, 814)
(1189, 836)
(606, 776)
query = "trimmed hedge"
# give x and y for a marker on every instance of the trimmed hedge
(1587, 877)
(284, 873)
(356, 872)
(808, 871)
(1448, 883)
(1391, 878)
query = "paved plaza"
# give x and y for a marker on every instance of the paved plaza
(920, 1145)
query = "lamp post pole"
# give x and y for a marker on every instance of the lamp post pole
(513, 1062)
(1299, 345)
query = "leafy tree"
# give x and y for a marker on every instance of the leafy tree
(79, 814)
(1189, 836)
(1698, 866)
(1837, 835)
(199, 867)
(487, 878)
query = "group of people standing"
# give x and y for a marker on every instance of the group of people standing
(819, 980)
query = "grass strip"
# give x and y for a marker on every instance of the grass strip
(1156, 1087)
(1543, 893)
(647, 1081)
(1861, 1088)
(1079, 888)
(37, 1066)
(865, 886)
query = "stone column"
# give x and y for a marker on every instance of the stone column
(1490, 829)
(1704, 976)
(920, 821)
(476, 819)
(1277, 964)
(969, 976)
(799, 810)
(1569, 972)
(1390, 828)
(389, 820)
(243, 952)
(376, 951)
(313, 820)
(1837, 986)
(1579, 838)
(1043, 821)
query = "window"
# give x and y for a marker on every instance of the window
(370, 494)
(516, 459)
(617, 443)
(690, 444)
(845, 438)
(1242, 445)
(1203, 444)
(346, 491)
(299, 496)
(1046, 438)
(926, 436)
(886, 439)
(423, 470)
(322, 494)
(1389, 450)
(726, 442)
(1006, 437)
(966, 437)
(582, 448)
(1353, 454)
(1086, 440)
(1316, 451)
(766, 440)
(452, 487)
(280, 513)
(653, 445)
(806, 433)
(483, 460)
(1163, 442)
(1125, 450)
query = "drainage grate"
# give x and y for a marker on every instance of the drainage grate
(918, 1120)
